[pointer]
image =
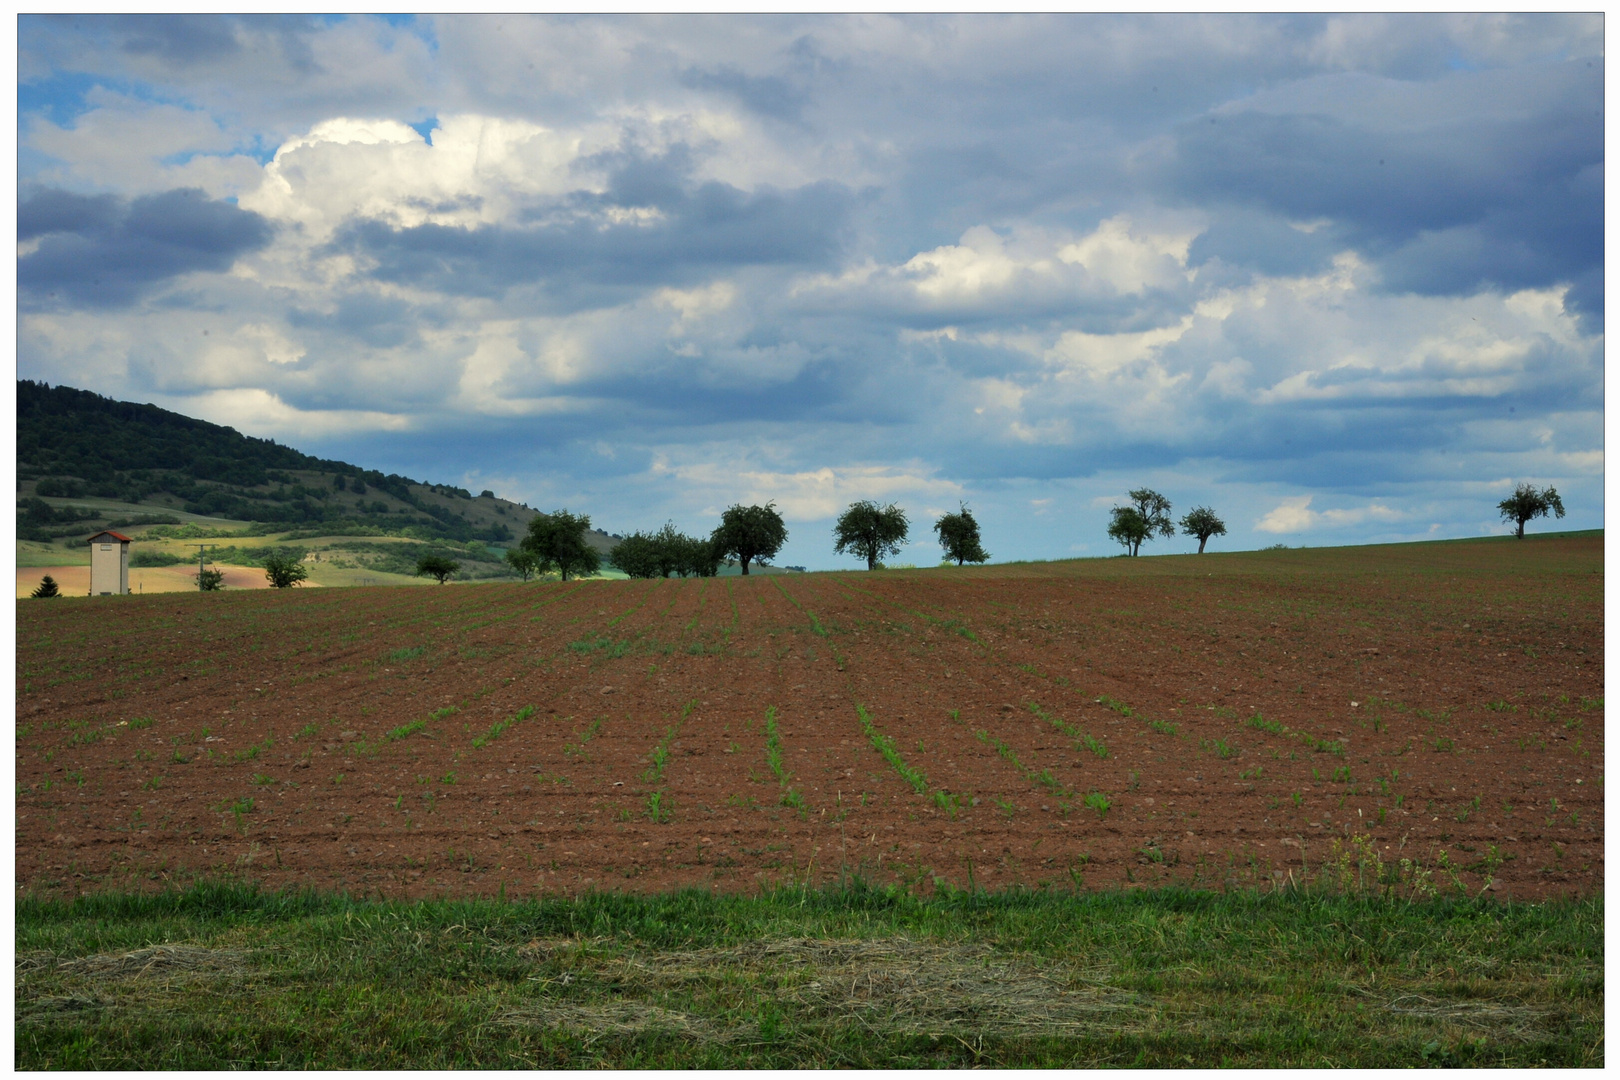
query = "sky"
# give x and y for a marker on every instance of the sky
(1339, 278)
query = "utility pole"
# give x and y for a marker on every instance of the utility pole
(200, 548)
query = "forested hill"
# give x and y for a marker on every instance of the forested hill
(66, 432)
(73, 443)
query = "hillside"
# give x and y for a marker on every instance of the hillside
(86, 462)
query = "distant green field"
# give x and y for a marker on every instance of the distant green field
(221, 976)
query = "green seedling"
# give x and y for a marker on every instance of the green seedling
(1221, 749)
(400, 656)
(306, 731)
(1099, 802)
(138, 722)
(500, 726)
(262, 780)
(658, 807)
(448, 778)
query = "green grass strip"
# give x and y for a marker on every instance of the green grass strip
(803, 978)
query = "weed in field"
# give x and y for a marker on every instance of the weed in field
(1298, 801)
(1005, 806)
(239, 809)
(153, 783)
(448, 778)
(1099, 802)
(138, 722)
(1164, 727)
(262, 780)
(306, 731)
(577, 749)
(1501, 706)
(401, 656)
(1220, 748)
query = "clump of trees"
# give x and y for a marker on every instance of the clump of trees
(557, 542)
(869, 531)
(1529, 502)
(665, 552)
(284, 569)
(1146, 517)
(749, 534)
(959, 536)
(437, 566)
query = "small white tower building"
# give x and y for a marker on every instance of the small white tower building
(109, 564)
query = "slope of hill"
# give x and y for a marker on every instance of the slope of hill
(85, 461)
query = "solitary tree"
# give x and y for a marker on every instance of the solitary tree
(210, 580)
(47, 589)
(1148, 514)
(521, 561)
(1201, 522)
(558, 543)
(959, 536)
(751, 533)
(283, 569)
(869, 531)
(437, 566)
(1529, 502)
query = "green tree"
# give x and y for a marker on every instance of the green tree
(1529, 502)
(210, 580)
(521, 561)
(869, 531)
(1129, 527)
(437, 566)
(1201, 522)
(1148, 514)
(699, 557)
(283, 569)
(47, 589)
(636, 555)
(959, 536)
(558, 543)
(751, 533)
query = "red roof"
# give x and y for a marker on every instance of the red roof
(109, 532)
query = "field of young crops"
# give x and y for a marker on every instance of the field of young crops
(1424, 717)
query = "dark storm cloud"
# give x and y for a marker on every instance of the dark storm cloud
(712, 227)
(1444, 210)
(100, 252)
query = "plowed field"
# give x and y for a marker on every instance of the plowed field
(1212, 720)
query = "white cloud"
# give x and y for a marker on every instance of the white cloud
(808, 495)
(1295, 515)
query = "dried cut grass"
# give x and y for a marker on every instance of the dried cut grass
(1503, 1021)
(618, 1018)
(893, 984)
(153, 961)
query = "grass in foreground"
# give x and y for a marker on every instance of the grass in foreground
(222, 975)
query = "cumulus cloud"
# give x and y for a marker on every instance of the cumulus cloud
(661, 265)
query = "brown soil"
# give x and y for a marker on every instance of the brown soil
(1423, 702)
